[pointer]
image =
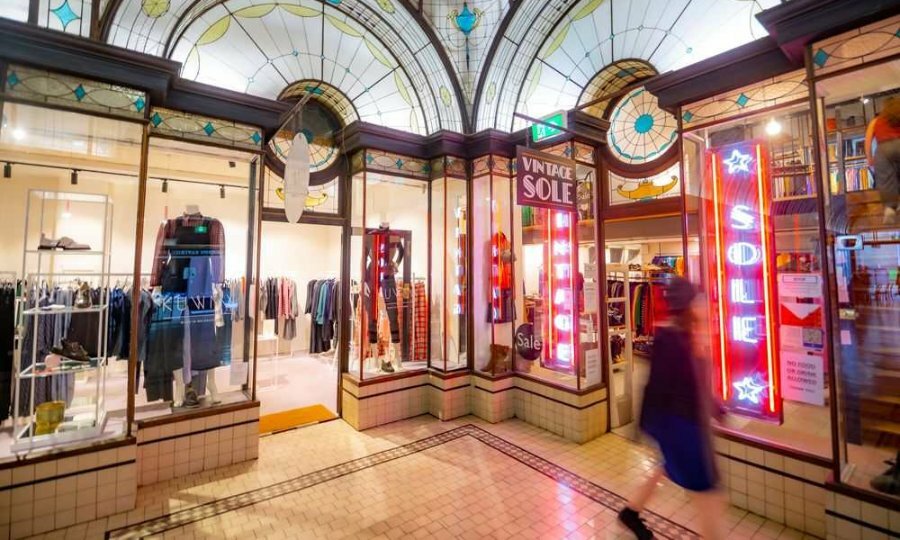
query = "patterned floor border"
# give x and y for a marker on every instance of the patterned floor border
(661, 526)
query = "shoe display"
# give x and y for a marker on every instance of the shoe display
(83, 297)
(65, 243)
(635, 524)
(191, 401)
(387, 367)
(72, 350)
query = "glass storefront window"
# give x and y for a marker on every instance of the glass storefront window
(69, 200)
(392, 318)
(863, 236)
(199, 307)
(760, 270)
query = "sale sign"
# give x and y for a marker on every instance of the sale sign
(545, 181)
(741, 276)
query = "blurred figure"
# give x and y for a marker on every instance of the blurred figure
(676, 413)
(884, 130)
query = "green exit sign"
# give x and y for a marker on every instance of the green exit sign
(541, 132)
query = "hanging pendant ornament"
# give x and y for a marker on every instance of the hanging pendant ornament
(466, 20)
(296, 174)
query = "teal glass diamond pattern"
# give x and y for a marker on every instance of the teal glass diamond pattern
(821, 57)
(399, 163)
(256, 137)
(65, 14)
(139, 104)
(687, 116)
(897, 33)
(369, 158)
(12, 80)
(79, 92)
(742, 100)
(156, 119)
(209, 129)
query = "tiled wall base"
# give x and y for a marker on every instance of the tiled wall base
(52, 492)
(492, 399)
(578, 418)
(848, 518)
(369, 405)
(449, 397)
(180, 447)
(781, 488)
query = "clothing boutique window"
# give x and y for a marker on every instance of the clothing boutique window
(553, 271)
(450, 254)
(391, 316)
(862, 153)
(751, 200)
(68, 198)
(199, 306)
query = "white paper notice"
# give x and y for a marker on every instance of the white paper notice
(800, 285)
(803, 377)
(592, 366)
(238, 373)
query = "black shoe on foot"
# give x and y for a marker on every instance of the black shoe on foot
(635, 524)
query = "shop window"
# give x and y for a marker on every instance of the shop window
(199, 309)
(751, 208)
(69, 197)
(392, 318)
(450, 254)
(864, 261)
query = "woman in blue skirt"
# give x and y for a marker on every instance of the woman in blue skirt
(676, 413)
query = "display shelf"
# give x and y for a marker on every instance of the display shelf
(70, 431)
(69, 252)
(67, 367)
(64, 311)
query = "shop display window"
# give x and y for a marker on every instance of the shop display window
(450, 261)
(863, 236)
(392, 318)
(751, 202)
(538, 285)
(68, 197)
(199, 307)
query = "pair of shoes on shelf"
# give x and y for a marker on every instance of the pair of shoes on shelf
(72, 350)
(65, 243)
(191, 401)
(387, 367)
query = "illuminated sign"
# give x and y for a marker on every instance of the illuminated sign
(542, 132)
(560, 265)
(741, 254)
(545, 181)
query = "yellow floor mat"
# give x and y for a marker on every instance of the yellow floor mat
(293, 418)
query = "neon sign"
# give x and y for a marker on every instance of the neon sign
(560, 264)
(741, 277)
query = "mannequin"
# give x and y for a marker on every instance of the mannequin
(386, 254)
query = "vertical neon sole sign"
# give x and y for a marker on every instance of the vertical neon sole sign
(741, 256)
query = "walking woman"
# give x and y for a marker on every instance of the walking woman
(883, 134)
(676, 413)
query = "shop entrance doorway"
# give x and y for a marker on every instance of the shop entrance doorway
(641, 256)
(297, 348)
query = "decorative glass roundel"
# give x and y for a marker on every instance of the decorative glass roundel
(639, 131)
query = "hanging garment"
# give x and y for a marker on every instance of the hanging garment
(502, 310)
(420, 322)
(7, 341)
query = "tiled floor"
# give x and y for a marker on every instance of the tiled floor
(419, 478)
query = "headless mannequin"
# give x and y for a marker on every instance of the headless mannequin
(386, 364)
(181, 375)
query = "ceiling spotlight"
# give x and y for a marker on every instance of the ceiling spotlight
(74, 177)
(222, 192)
(865, 100)
(7, 170)
(773, 127)
(165, 186)
(18, 134)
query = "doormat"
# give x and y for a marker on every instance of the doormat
(281, 421)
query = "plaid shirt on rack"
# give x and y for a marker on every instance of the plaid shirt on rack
(420, 322)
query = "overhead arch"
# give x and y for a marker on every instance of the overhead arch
(375, 53)
(551, 49)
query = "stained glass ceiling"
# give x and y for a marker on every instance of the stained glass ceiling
(377, 55)
(552, 49)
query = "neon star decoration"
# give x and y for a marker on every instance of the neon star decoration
(738, 162)
(749, 390)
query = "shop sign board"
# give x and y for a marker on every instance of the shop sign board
(743, 293)
(542, 132)
(545, 181)
(528, 344)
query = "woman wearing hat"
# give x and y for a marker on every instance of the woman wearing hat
(676, 413)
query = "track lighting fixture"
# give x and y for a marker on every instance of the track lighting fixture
(222, 192)
(7, 170)
(74, 177)
(165, 186)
